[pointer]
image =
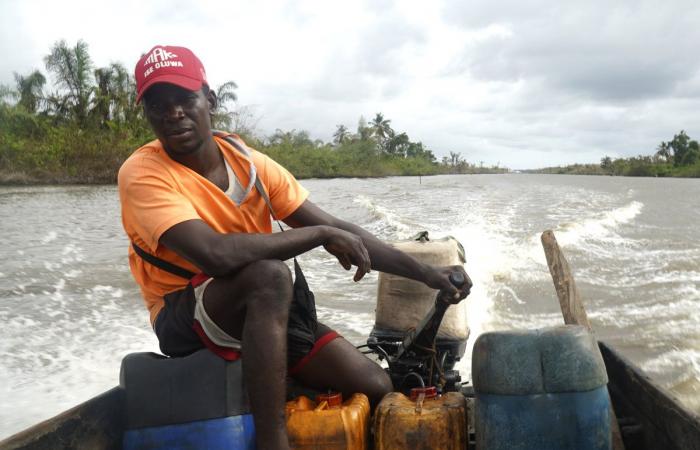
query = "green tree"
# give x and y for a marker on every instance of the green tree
(30, 90)
(692, 155)
(6, 92)
(293, 139)
(72, 68)
(663, 151)
(381, 129)
(417, 150)
(455, 159)
(397, 145)
(680, 147)
(223, 117)
(341, 135)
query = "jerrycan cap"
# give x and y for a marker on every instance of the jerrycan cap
(428, 392)
(332, 399)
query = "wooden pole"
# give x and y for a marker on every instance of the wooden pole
(572, 307)
(564, 283)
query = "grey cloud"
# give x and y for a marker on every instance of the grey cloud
(632, 51)
(371, 65)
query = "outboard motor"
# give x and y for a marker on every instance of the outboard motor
(420, 344)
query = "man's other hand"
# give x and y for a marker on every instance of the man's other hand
(439, 278)
(349, 249)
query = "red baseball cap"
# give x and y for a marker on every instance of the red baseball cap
(168, 64)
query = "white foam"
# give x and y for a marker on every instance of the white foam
(60, 284)
(385, 215)
(686, 365)
(343, 321)
(51, 236)
(492, 258)
(73, 273)
(602, 226)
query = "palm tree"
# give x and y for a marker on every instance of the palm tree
(72, 68)
(6, 93)
(227, 93)
(30, 90)
(381, 128)
(112, 94)
(664, 151)
(341, 134)
(103, 95)
(223, 117)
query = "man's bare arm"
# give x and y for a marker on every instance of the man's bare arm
(383, 257)
(218, 254)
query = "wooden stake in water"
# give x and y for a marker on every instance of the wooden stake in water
(572, 306)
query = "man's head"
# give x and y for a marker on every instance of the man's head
(169, 64)
(172, 83)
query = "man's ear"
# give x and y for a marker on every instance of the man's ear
(213, 101)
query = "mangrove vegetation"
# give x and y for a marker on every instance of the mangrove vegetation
(81, 128)
(679, 157)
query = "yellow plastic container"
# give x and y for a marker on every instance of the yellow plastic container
(328, 423)
(422, 423)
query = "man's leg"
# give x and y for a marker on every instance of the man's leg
(253, 306)
(340, 366)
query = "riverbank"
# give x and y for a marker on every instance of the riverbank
(660, 170)
(65, 155)
(35, 150)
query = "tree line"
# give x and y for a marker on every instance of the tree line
(81, 128)
(679, 157)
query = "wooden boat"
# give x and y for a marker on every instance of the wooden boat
(650, 417)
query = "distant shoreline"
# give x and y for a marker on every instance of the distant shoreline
(25, 179)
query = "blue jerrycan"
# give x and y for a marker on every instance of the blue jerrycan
(541, 390)
(197, 401)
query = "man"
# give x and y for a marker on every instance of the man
(188, 198)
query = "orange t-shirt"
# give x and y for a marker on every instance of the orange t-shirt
(157, 192)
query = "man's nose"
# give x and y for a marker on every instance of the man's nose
(174, 111)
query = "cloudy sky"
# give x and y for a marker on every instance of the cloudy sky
(522, 83)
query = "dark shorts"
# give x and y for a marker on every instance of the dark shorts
(179, 334)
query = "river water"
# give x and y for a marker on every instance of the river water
(70, 310)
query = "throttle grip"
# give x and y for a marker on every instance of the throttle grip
(457, 279)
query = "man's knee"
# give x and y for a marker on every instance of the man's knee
(377, 385)
(268, 280)
(266, 273)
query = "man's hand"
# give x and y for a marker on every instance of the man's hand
(349, 249)
(438, 278)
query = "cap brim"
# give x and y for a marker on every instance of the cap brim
(177, 80)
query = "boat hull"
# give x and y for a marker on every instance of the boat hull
(650, 417)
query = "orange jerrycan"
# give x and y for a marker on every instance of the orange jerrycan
(328, 423)
(423, 421)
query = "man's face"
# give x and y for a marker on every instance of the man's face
(179, 117)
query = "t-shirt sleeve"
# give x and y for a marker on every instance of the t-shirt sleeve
(151, 202)
(286, 193)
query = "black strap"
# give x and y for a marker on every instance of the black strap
(162, 264)
(180, 271)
